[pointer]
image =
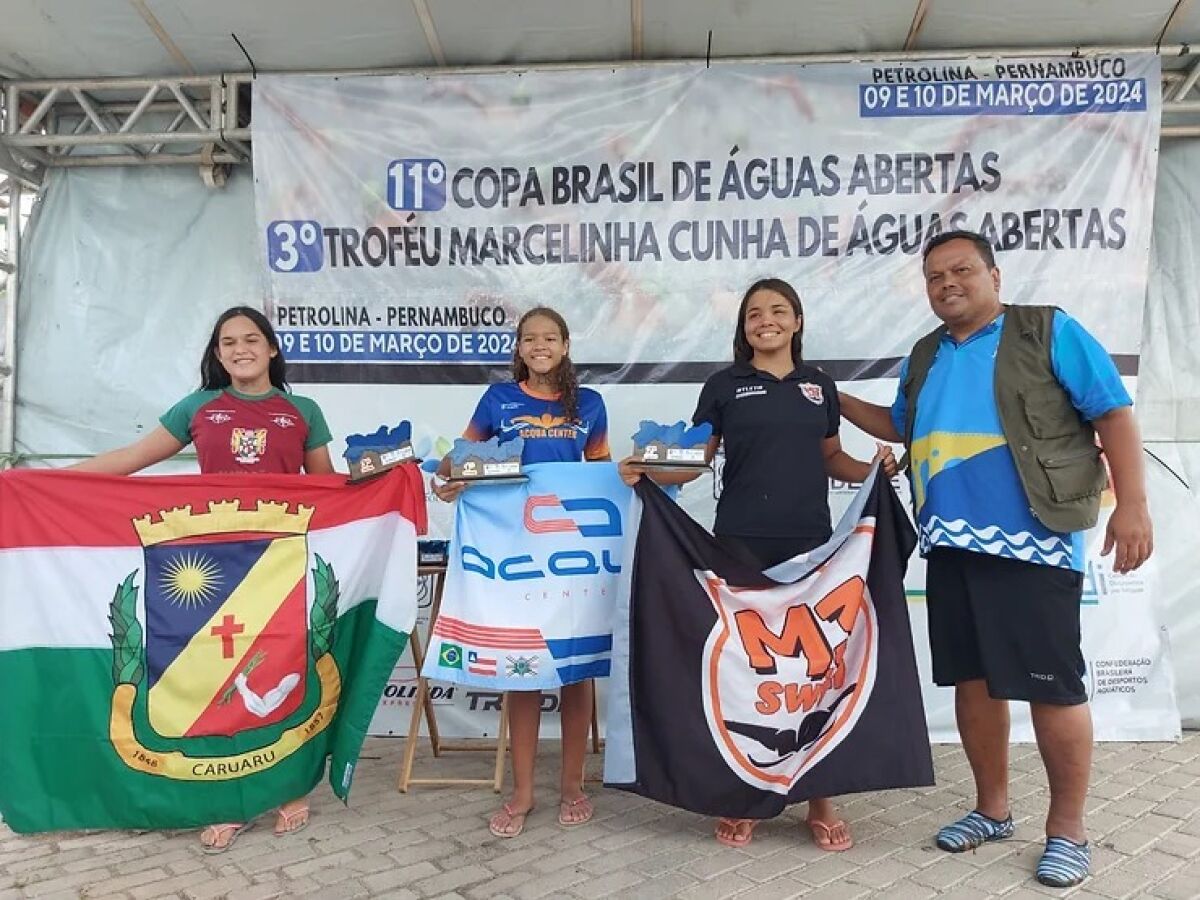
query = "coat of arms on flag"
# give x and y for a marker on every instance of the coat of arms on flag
(226, 635)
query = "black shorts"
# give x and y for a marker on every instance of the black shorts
(768, 551)
(1014, 624)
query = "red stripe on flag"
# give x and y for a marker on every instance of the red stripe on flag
(533, 633)
(62, 508)
(498, 642)
(500, 638)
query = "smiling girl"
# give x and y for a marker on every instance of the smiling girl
(243, 419)
(559, 422)
(778, 419)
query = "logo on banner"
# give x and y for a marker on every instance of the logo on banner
(813, 393)
(589, 517)
(544, 426)
(521, 666)
(228, 642)
(787, 671)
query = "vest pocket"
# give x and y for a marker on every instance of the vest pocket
(1049, 413)
(1074, 475)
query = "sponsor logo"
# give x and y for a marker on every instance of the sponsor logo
(544, 426)
(750, 390)
(589, 517)
(536, 524)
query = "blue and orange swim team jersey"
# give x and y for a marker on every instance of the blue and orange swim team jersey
(236, 432)
(512, 410)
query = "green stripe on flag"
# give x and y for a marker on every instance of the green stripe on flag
(60, 770)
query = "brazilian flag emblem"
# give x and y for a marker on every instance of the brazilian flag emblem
(450, 656)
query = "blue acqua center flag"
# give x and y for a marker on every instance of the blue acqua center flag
(532, 580)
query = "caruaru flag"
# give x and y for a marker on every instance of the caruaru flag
(533, 570)
(736, 692)
(179, 651)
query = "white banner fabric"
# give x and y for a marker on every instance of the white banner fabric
(406, 221)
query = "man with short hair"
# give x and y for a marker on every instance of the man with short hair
(999, 409)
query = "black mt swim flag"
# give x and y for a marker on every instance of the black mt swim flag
(736, 692)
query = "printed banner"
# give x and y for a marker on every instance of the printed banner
(736, 692)
(406, 221)
(533, 570)
(180, 651)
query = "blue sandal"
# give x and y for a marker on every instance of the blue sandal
(1064, 863)
(973, 830)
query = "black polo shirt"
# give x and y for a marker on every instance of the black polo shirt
(774, 483)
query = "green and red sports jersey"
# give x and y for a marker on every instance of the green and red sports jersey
(236, 432)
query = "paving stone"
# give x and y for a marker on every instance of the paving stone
(1144, 817)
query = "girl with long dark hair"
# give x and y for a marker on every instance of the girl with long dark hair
(242, 419)
(778, 418)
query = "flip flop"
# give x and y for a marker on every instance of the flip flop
(581, 803)
(822, 835)
(217, 831)
(513, 815)
(293, 822)
(736, 824)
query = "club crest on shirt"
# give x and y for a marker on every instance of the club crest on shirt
(813, 392)
(248, 444)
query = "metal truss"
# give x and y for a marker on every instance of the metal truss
(10, 228)
(195, 120)
(206, 121)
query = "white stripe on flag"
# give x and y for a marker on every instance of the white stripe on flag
(37, 607)
(60, 596)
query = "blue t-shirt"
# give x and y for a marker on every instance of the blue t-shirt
(511, 410)
(966, 490)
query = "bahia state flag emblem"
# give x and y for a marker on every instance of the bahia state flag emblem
(227, 645)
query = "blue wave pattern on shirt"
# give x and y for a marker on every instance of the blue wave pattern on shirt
(967, 493)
